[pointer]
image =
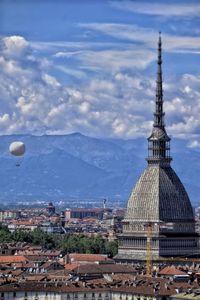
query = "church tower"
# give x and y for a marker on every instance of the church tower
(159, 199)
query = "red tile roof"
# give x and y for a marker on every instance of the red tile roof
(71, 267)
(171, 270)
(12, 259)
(87, 257)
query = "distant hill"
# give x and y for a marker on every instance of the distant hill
(75, 166)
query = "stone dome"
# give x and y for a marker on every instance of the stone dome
(159, 195)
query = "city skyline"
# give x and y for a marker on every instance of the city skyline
(90, 67)
(84, 89)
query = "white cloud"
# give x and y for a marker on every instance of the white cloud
(176, 105)
(50, 80)
(194, 144)
(68, 54)
(84, 107)
(14, 46)
(148, 36)
(4, 120)
(110, 60)
(72, 72)
(116, 60)
(184, 109)
(160, 9)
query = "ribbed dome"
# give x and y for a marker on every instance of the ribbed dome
(159, 195)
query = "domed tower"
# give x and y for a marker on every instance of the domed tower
(158, 199)
(51, 208)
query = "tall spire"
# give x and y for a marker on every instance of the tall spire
(159, 114)
(159, 142)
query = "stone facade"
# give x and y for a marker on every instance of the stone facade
(88, 295)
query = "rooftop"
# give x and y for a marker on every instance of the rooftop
(171, 270)
(12, 258)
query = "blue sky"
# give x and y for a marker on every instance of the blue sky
(90, 66)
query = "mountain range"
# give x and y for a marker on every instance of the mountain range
(77, 168)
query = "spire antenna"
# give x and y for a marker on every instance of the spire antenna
(159, 114)
(159, 141)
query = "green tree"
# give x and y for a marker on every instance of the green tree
(22, 236)
(5, 235)
(67, 243)
(111, 248)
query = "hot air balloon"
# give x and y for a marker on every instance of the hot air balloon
(17, 148)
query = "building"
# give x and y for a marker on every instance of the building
(113, 287)
(9, 214)
(85, 258)
(34, 273)
(81, 213)
(50, 209)
(27, 225)
(159, 209)
(139, 289)
(189, 295)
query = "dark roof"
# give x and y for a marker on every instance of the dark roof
(140, 285)
(105, 269)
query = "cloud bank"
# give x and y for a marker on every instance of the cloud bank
(118, 103)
